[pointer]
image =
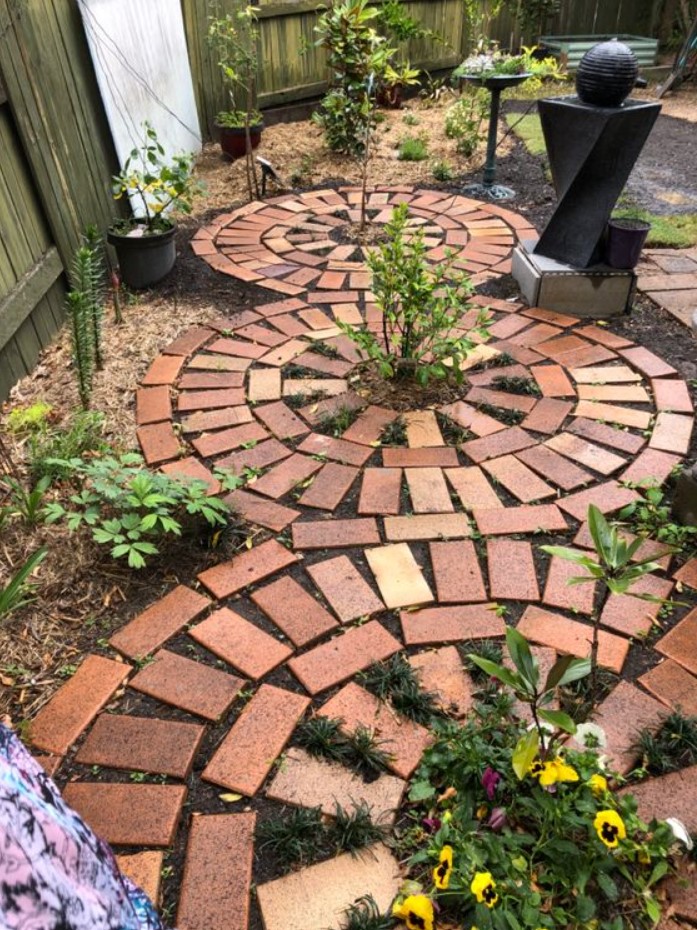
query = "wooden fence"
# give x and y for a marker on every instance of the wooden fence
(57, 156)
(57, 159)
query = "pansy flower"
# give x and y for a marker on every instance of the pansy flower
(416, 911)
(549, 773)
(610, 828)
(441, 873)
(483, 887)
(490, 780)
(597, 784)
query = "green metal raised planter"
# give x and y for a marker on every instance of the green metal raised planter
(571, 49)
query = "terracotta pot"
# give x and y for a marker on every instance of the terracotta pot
(233, 140)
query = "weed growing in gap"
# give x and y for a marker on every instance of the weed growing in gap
(19, 590)
(517, 386)
(396, 681)
(510, 417)
(442, 171)
(354, 829)
(335, 424)
(651, 516)
(294, 837)
(672, 747)
(322, 736)
(365, 754)
(364, 914)
(395, 433)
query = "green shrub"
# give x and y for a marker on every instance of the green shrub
(130, 508)
(413, 148)
(442, 171)
(31, 419)
(422, 305)
(464, 120)
(19, 590)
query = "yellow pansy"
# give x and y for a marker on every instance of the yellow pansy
(597, 784)
(441, 873)
(610, 828)
(549, 773)
(416, 911)
(483, 888)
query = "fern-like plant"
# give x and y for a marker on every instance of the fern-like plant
(86, 310)
(82, 344)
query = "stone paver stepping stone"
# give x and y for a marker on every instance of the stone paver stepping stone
(559, 593)
(428, 490)
(434, 625)
(607, 374)
(281, 420)
(210, 400)
(528, 518)
(260, 455)
(368, 427)
(679, 644)
(616, 439)
(330, 486)
(145, 870)
(218, 873)
(204, 420)
(672, 395)
(335, 534)
(158, 442)
(555, 468)
(572, 637)
(518, 479)
(607, 497)
(404, 740)
(380, 491)
(673, 795)
(457, 572)
(441, 673)
(164, 370)
(153, 405)
(227, 439)
(188, 685)
(673, 685)
(210, 380)
(247, 568)
(240, 643)
(294, 611)
(263, 512)
(256, 739)
(163, 619)
(264, 385)
(473, 488)
(339, 450)
(611, 413)
(349, 594)
(128, 815)
(398, 576)
(672, 432)
(316, 897)
(426, 457)
(652, 466)
(647, 363)
(490, 447)
(73, 707)
(427, 526)
(306, 781)
(553, 381)
(282, 478)
(622, 715)
(618, 393)
(585, 453)
(687, 574)
(512, 570)
(631, 615)
(142, 744)
(334, 662)
(548, 415)
(422, 429)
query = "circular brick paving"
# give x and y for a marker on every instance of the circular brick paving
(364, 549)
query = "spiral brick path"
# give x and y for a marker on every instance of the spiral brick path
(372, 542)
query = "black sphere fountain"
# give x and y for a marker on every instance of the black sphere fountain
(593, 140)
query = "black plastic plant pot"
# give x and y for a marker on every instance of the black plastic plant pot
(625, 240)
(144, 260)
(233, 139)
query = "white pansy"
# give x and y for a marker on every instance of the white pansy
(680, 831)
(598, 738)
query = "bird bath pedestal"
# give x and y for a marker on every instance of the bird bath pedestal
(495, 84)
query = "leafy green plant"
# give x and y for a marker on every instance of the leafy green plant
(354, 829)
(442, 171)
(293, 838)
(519, 832)
(614, 569)
(159, 184)
(336, 423)
(129, 508)
(80, 318)
(29, 420)
(410, 119)
(651, 516)
(322, 737)
(82, 433)
(28, 504)
(395, 680)
(19, 590)
(464, 120)
(413, 148)
(364, 752)
(234, 36)
(422, 306)
(525, 386)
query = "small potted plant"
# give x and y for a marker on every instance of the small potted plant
(493, 69)
(235, 38)
(157, 187)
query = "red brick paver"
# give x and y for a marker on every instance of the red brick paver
(218, 873)
(559, 593)
(76, 704)
(330, 486)
(673, 685)
(347, 592)
(511, 570)
(189, 685)
(380, 491)
(141, 744)
(451, 624)
(294, 611)
(282, 478)
(128, 815)
(525, 519)
(244, 758)
(572, 637)
(335, 534)
(240, 643)
(398, 576)
(247, 568)
(157, 623)
(457, 572)
(518, 479)
(622, 715)
(679, 643)
(266, 513)
(440, 672)
(337, 660)
(427, 526)
(428, 490)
